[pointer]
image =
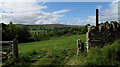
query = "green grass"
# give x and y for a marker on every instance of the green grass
(36, 31)
(108, 55)
(57, 51)
(62, 51)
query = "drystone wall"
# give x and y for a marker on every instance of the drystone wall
(104, 33)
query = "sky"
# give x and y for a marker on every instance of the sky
(54, 12)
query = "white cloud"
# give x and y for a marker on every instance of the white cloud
(110, 14)
(23, 0)
(60, 0)
(92, 17)
(28, 12)
(114, 2)
(49, 18)
(99, 7)
(62, 11)
(90, 20)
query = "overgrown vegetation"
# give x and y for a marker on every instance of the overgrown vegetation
(108, 55)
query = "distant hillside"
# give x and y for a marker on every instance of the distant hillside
(54, 25)
(47, 25)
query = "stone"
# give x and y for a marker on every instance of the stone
(106, 33)
(90, 28)
(80, 46)
(101, 28)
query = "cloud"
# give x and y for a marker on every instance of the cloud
(114, 2)
(49, 18)
(99, 7)
(90, 20)
(92, 17)
(110, 14)
(62, 11)
(29, 12)
(60, 0)
(24, 0)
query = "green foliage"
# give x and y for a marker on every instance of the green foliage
(31, 33)
(9, 62)
(23, 34)
(11, 31)
(44, 35)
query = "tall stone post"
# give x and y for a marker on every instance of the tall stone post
(88, 38)
(80, 46)
(87, 41)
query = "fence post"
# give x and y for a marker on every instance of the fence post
(15, 48)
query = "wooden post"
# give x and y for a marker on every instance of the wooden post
(15, 48)
(97, 18)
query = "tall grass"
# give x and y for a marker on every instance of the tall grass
(108, 55)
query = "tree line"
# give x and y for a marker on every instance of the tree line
(22, 33)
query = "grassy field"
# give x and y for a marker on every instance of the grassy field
(57, 51)
(62, 51)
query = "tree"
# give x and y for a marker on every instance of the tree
(5, 32)
(11, 31)
(23, 34)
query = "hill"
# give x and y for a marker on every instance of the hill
(47, 25)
